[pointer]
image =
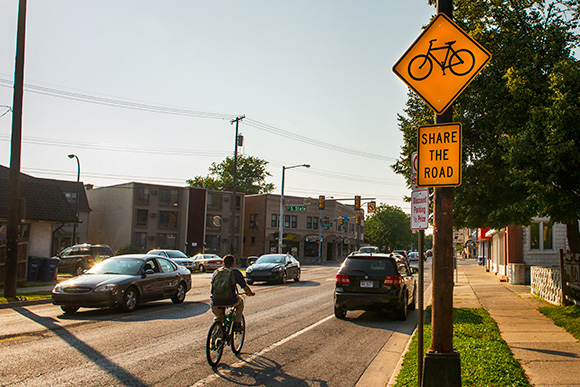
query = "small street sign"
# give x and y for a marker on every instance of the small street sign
(372, 207)
(420, 209)
(296, 209)
(441, 63)
(439, 155)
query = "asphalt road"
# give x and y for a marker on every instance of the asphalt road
(292, 339)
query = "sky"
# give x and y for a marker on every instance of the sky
(145, 91)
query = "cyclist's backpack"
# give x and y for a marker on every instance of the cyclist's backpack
(223, 285)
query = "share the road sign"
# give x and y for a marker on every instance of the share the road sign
(441, 63)
(439, 155)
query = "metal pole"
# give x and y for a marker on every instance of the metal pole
(13, 218)
(281, 220)
(74, 236)
(320, 237)
(420, 317)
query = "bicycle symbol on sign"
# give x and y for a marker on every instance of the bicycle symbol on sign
(459, 62)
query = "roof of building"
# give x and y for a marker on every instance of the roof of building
(71, 186)
(44, 200)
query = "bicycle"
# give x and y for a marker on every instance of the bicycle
(221, 333)
(462, 59)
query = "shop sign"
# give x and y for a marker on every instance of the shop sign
(312, 238)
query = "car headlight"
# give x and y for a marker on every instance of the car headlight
(276, 269)
(57, 288)
(249, 269)
(105, 288)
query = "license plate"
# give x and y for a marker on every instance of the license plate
(366, 284)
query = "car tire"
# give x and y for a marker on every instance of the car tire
(179, 294)
(130, 300)
(78, 270)
(284, 277)
(403, 310)
(297, 279)
(69, 309)
(202, 268)
(339, 312)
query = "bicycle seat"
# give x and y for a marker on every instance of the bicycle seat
(450, 43)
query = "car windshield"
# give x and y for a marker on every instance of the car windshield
(128, 266)
(176, 254)
(271, 259)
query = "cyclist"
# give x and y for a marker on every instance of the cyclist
(218, 306)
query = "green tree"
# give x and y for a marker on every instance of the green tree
(519, 116)
(251, 177)
(389, 226)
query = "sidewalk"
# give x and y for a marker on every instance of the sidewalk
(549, 355)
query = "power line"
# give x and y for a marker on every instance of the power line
(192, 113)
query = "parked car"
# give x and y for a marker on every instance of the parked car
(78, 258)
(203, 262)
(369, 250)
(414, 259)
(124, 281)
(274, 267)
(374, 281)
(176, 256)
(252, 259)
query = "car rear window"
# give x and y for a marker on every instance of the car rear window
(371, 265)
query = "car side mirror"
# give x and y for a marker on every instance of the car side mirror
(149, 271)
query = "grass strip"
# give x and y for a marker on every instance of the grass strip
(486, 359)
(567, 317)
(29, 296)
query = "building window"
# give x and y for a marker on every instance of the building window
(140, 240)
(167, 241)
(213, 222)
(143, 195)
(253, 240)
(309, 222)
(71, 197)
(212, 244)
(541, 236)
(294, 221)
(286, 221)
(169, 197)
(168, 219)
(141, 218)
(253, 220)
(214, 201)
(238, 202)
(274, 222)
(315, 223)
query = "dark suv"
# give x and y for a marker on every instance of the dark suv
(78, 258)
(374, 281)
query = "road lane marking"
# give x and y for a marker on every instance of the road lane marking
(12, 338)
(214, 376)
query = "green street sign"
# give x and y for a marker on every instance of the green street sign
(324, 224)
(296, 208)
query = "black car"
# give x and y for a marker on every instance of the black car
(374, 281)
(124, 281)
(78, 258)
(274, 267)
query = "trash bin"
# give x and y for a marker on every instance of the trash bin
(34, 264)
(48, 269)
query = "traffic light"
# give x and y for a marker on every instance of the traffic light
(357, 202)
(357, 218)
(321, 202)
(340, 220)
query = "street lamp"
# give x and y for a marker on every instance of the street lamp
(281, 220)
(74, 236)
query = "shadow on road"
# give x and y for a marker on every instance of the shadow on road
(122, 375)
(261, 371)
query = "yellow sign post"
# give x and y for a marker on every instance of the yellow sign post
(441, 63)
(439, 155)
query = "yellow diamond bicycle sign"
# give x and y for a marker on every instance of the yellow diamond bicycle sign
(441, 63)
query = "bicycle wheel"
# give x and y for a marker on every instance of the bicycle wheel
(238, 338)
(461, 62)
(420, 67)
(214, 346)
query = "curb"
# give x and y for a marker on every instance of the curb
(16, 304)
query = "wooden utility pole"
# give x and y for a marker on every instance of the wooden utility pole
(235, 176)
(13, 220)
(442, 362)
